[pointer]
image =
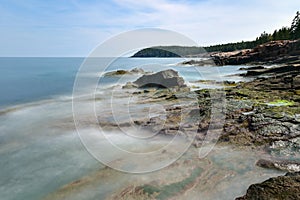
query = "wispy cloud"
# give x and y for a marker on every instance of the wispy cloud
(74, 27)
(215, 21)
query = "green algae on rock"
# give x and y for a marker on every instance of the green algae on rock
(280, 103)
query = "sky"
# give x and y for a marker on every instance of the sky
(76, 27)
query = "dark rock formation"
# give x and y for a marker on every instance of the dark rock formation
(205, 62)
(295, 69)
(277, 78)
(121, 72)
(282, 187)
(272, 52)
(252, 68)
(163, 79)
(285, 165)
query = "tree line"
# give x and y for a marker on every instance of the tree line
(285, 33)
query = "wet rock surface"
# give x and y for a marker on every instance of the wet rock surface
(163, 79)
(206, 62)
(121, 72)
(291, 69)
(261, 114)
(282, 165)
(282, 187)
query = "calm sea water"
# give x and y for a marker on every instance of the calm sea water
(28, 79)
(24, 80)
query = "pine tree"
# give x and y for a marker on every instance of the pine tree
(295, 28)
(275, 35)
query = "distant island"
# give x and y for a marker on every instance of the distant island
(285, 33)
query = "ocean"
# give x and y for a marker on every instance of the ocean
(25, 80)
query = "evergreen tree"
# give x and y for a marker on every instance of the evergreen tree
(275, 35)
(295, 28)
(264, 37)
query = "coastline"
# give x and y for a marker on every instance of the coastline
(244, 104)
(270, 121)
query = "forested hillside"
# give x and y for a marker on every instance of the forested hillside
(285, 33)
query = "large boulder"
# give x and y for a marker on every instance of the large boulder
(163, 79)
(282, 187)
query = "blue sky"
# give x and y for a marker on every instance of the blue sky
(76, 27)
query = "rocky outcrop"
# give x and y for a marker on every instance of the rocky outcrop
(255, 127)
(262, 113)
(291, 69)
(203, 62)
(121, 72)
(272, 52)
(282, 187)
(266, 112)
(277, 78)
(163, 79)
(284, 165)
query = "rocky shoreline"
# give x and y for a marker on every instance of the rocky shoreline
(264, 111)
(274, 52)
(261, 114)
(256, 131)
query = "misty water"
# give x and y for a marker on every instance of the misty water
(42, 155)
